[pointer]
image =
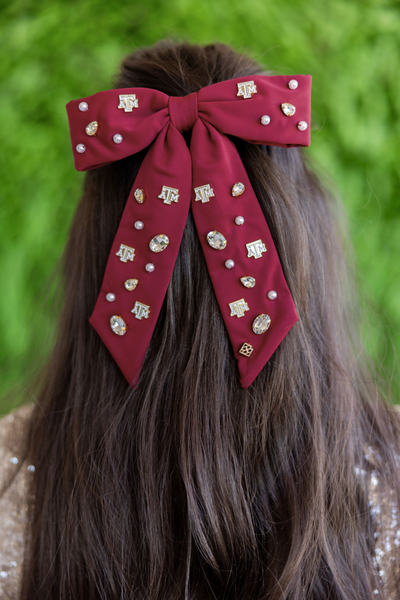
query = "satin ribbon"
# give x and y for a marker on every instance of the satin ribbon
(129, 120)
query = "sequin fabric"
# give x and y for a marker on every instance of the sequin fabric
(14, 502)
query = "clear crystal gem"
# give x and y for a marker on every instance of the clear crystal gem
(131, 284)
(159, 243)
(92, 128)
(248, 281)
(118, 325)
(139, 196)
(238, 189)
(261, 324)
(216, 240)
(288, 109)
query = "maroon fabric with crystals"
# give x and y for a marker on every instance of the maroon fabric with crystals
(128, 120)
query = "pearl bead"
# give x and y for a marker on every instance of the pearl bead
(302, 125)
(117, 138)
(229, 263)
(81, 148)
(265, 120)
(139, 225)
(110, 297)
(83, 106)
(150, 267)
(239, 220)
(272, 295)
(293, 84)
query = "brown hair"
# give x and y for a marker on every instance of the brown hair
(190, 487)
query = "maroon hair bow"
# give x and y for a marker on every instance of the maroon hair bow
(243, 263)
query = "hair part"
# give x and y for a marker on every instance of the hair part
(190, 487)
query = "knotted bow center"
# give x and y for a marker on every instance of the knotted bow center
(183, 111)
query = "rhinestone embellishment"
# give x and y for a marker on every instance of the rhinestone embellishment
(246, 349)
(159, 243)
(125, 253)
(169, 194)
(203, 193)
(118, 325)
(288, 109)
(238, 189)
(246, 89)
(238, 308)
(248, 281)
(131, 284)
(255, 249)
(140, 196)
(141, 311)
(92, 128)
(261, 324)
(216, 240)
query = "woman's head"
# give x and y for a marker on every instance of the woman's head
(190, 486)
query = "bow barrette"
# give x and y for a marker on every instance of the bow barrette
(244, 267)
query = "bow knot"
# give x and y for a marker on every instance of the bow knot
(183, 111)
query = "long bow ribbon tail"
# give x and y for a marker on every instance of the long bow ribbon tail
(243, 263)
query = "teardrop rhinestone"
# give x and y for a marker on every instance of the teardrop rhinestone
(216, 240)
(92, 128)
(288, 109)
(118, 325)
(159, 243)
(238, 189)
(131, 284)
(261, 324)
(248, 281)
(140, 196)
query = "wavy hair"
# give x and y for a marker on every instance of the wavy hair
(190, 487)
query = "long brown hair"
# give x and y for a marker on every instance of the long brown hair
(190, 487)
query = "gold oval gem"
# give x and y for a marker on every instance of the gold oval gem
(238, 189)
(216, 240)
(288, 109)
(159, 243)
(248, 281)
(261, 324)
(92, 128)
(118, 325)
(131, 284)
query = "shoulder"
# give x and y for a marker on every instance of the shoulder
(14, 482)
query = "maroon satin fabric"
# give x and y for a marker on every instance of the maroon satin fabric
(213, 113)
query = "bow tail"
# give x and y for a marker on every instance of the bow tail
(246, 310)
(132, 290)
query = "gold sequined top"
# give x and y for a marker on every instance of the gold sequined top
(13, 513)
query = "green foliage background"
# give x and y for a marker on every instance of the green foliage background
(53, 51)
